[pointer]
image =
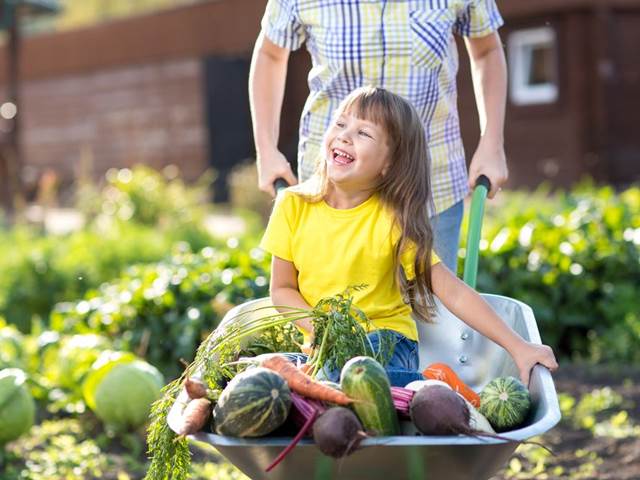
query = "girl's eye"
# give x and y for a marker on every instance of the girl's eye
(340, 124)
(362, 132)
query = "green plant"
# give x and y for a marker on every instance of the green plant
(162, 311)
(136, 218)
(574, 257)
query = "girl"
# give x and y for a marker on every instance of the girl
(362, 220)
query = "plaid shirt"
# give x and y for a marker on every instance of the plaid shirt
(404, 46)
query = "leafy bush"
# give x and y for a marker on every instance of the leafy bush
(44, 270)
(144, 195)
(136, 218)
(575, 259)
(163, 311)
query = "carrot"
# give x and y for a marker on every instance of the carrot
(302, 383)
(194, 416)
(442, 372)
(195, 388)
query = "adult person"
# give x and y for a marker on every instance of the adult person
(405, 46)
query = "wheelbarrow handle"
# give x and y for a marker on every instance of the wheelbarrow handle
(476, 212)
(280, 184)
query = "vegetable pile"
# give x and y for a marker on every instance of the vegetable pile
(230, 391)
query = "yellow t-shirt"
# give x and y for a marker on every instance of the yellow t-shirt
(333, 249)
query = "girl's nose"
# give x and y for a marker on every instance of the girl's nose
(344, 137)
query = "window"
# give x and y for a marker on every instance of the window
(533, 71)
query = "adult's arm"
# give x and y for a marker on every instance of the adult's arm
(266, 90)
(489, 74)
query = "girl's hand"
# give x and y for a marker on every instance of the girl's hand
(529, 355)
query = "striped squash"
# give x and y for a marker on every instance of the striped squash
(505, 402)
(253, 404)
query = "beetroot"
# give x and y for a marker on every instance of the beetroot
(338, 432)
(438, 410)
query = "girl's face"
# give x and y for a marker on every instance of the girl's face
(357, 152)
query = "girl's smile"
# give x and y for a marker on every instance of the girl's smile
(340, 157)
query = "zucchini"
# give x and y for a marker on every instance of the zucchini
(365, 381)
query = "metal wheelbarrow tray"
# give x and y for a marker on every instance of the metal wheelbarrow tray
(476, 359)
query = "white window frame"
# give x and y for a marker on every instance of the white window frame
(519, 46)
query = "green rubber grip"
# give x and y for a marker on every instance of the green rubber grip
(480, 192)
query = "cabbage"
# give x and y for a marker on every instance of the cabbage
(120, 390)
(17, 408)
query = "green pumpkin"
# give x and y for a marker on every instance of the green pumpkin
(253, 404)
(505, 402)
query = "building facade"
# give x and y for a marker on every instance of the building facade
(171, 88)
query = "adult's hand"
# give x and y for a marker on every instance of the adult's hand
(490, 160)
(273, 165)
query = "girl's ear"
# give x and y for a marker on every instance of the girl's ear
(385, 167)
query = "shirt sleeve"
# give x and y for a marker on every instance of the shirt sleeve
(407, 258)
(478, 19)
(281, 25)
(277, 236)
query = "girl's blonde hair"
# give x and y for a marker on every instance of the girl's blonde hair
(404, 189)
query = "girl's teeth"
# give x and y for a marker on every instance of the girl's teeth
(342, 159)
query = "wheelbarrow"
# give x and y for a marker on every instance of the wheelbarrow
(476, 359)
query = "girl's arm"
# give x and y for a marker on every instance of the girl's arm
(284, 289)
(470, 307)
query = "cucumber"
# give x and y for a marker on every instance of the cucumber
(365, 381)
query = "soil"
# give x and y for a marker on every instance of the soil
(619, 459)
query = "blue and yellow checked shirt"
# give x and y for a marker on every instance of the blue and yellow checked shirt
(404, 46)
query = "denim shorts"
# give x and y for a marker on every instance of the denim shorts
(399, 355)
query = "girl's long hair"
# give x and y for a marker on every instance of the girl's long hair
(404, 189)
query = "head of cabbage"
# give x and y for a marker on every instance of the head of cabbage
(17, 408)
(120, 390)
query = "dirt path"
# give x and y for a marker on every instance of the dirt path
(585, 441)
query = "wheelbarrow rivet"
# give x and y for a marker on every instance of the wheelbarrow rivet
(463, 359)
(464, 335)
